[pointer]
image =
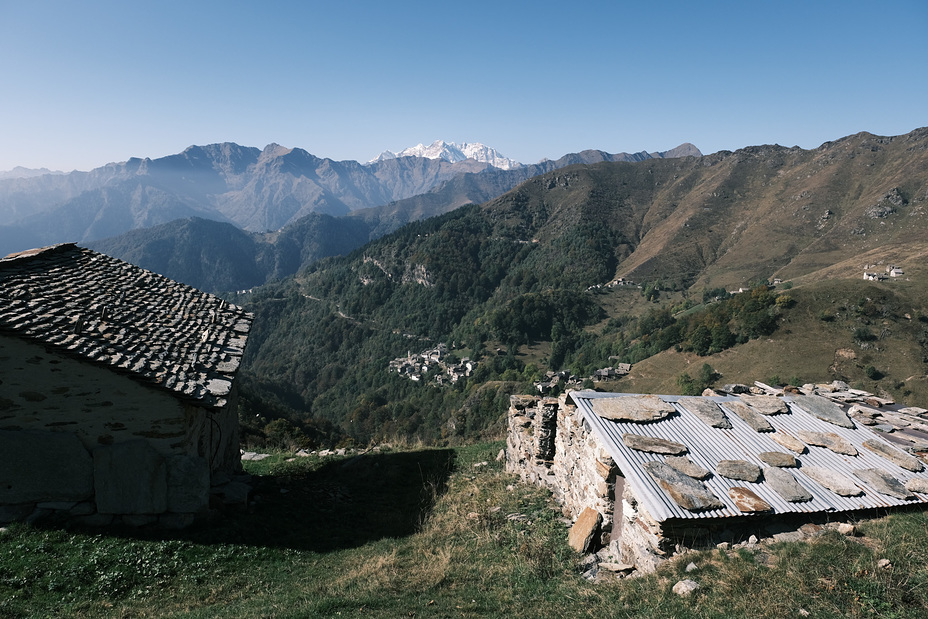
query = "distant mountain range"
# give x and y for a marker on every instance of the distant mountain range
(453, 153)
(254, 190)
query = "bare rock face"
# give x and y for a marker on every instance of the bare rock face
(828, 440)
(785, 440)
(707, 410)
(778, 459)
(635, 409)
(738, 469)
(582, 533)
(685, 491)
(688, 467)
(749, 416)
(834, 481)
(654, 445)
(785, 484)
(896, 456)
(824, 409)
(765, 404)
(884, 483)
(747, 501)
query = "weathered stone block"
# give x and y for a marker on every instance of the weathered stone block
(188, 484)
(584, 529)
(43, 466)
(131, 478)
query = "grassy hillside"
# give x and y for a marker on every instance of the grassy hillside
(434, 533)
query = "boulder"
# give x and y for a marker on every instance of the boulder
(917, 484)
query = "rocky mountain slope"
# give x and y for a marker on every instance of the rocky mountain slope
(256, 190)
(528, 271)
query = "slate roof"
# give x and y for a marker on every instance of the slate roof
(710, 442)
(96, 308)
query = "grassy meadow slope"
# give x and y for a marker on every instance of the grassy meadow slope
(434, 533)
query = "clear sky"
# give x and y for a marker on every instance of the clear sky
(87, 83)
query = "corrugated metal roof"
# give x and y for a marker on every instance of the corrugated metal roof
(708, 446)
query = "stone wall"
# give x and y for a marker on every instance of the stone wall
(82, 442)
(549, 444)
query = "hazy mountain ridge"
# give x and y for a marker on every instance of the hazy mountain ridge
(257, 190)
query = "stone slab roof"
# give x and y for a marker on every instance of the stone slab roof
(809, 457)
(102, 310)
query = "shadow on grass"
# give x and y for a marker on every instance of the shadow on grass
(339, 504)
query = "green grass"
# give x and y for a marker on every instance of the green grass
(425, 533)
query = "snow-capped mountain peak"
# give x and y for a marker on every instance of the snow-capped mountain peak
(453, 152)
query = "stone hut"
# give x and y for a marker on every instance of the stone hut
(651, 475)
(117, 393)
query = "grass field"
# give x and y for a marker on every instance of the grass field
(433, 533)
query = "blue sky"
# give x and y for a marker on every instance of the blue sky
(84, 84)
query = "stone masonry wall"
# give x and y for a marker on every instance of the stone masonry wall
(578, 470)
(84, 443)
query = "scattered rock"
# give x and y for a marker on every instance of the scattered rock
(917, 484)
(582, 533)
(884, 483)
(685, 588)
(789, 536)
(748, 502)
(834, 481)
(707, 410)
(803, 612)
(653, 445)
(616, 567)
(824, 409)
(688, 467)
(846, 528)
(785, 440)
(778, 459)
(637, 409)
(691, 567)
(501, 455)
(480, 464)
(255, 457)
(784, 484)
(685, 491)
(897, 457)
(749, 416)
(723, 546)
(884, 564)
(828, 440)
(765, 404)
(738, 469)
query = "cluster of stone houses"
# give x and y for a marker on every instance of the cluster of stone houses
(645, 477)
(416, 366)
(117, 392)
(565, 380)
(890, 271)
